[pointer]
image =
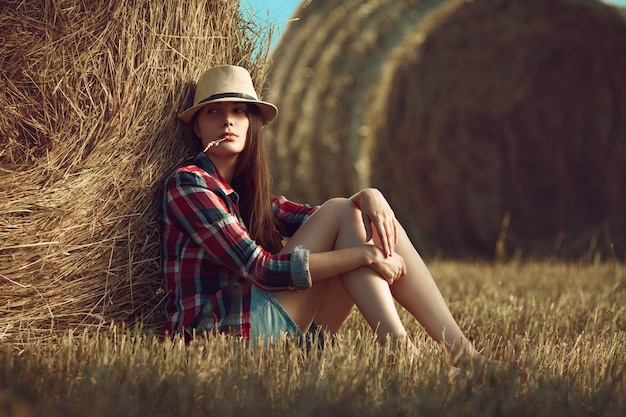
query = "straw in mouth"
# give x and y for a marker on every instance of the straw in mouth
(213, 143)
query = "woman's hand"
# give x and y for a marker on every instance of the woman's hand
(377, 212)
(390, 268)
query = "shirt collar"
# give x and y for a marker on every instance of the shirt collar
(204, 162)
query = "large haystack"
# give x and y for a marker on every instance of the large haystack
(516, 114)
(492, 125)
(89, 92)
(320, 73)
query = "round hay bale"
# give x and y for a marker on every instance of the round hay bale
(492, 126)
(321, 70)
(89, 94)
(511, 119)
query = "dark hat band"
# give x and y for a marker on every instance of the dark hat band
(228, 95)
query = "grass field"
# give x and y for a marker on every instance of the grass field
(87, 132)
(563, 323)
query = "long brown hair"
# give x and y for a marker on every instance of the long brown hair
(252, 181)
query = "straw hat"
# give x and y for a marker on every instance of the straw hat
(227, 83)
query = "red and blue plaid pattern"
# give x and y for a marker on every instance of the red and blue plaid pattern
(208, 258)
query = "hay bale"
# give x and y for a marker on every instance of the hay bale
(321, 70)
(480, 120)
(515, 119)
(89, 93)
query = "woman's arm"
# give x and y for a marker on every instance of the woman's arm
(324, 265)
(290, 215)
(202, 218)
(337, 244)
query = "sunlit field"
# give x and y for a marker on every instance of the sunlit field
(561, 328)
(89, 93)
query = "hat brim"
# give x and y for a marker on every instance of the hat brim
(268, 110)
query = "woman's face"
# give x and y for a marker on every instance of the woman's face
(223, 120)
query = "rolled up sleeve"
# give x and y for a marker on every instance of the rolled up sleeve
(300, 273)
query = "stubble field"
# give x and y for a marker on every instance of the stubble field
(561, 327)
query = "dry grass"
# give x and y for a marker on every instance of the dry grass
(320, 74)
(564, 323)
(89, 94)
(515, 114)
(492, 126)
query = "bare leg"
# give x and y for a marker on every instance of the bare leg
(318, 234)
(334, 307)
(336, 225)
(419, 294)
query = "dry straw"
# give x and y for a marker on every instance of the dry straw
(89, 92)
(492, 126)
(512, 119)
(321, 71)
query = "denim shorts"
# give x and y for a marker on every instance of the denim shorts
(269, 321)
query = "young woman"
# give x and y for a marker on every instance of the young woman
(226, 268)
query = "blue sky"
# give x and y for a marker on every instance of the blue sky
(278, 12)
(275, 12)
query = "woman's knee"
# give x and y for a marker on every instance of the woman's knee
(349, 222)
(342, 208)
(319, 233)
(338, 203)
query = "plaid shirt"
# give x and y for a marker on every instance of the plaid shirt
(209, 260)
